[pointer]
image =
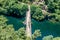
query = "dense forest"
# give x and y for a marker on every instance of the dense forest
(40, 10)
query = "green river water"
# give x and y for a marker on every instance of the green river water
(46, 27)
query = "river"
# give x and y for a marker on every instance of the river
(46, 27)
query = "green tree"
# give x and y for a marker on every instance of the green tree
(13, 7)
(56, 38)
(48, 1)
(36, 12)
(50, 37)
(36, 34)
(53, 5)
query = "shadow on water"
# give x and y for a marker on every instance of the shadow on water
(17, 23)
(46, 27)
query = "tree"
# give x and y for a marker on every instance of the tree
(13, 7)
(36, 12)
(33, 9)
(56, 38)
(51, 8)
(5, 4)
(36, 0)
(36, 34)
(53, 5)
(50, 37)
(18, 9)
(48, 1)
